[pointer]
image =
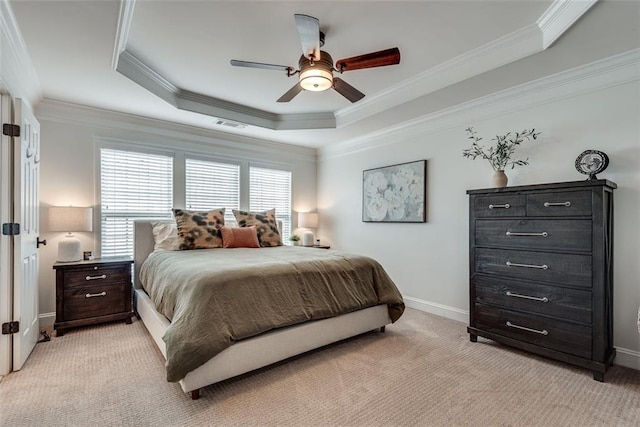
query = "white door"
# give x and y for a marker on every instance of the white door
(6, 300)
(26, 212)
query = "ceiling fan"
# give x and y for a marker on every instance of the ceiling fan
(315, 66)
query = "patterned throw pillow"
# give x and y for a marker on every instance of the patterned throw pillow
(199, 229)
(265, 223)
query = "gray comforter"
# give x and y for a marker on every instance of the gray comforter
(214, 297)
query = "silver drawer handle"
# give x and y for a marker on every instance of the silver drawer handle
(543, 234)
(547, 204)
(101, 294)
(506, 206)
(513, 264)
(104, 276)
(511, 294)
(542, 332)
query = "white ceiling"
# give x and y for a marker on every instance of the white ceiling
(74, 46)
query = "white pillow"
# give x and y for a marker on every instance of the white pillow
(165, 235)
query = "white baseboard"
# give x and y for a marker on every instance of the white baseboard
(624, 357)
(437, 309)
(47, 320)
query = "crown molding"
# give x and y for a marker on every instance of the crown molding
(504, 50)
(17, 73)
(561, 15)
(125, 17)
(123, 126)
(615, 70)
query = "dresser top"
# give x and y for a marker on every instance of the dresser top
(551, 186)
(97, 261)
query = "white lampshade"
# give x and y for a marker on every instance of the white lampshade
(308, 220)
(69, 218)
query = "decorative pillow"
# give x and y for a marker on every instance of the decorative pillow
(246, 237)
(265, 223)
(165, 235)
(199, 229)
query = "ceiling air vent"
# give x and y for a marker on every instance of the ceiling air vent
(231, 124)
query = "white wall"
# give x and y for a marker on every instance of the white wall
(429, 262)
(70, 135)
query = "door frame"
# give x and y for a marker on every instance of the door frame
(6, 244)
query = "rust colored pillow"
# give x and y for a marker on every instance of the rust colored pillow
(246, 237)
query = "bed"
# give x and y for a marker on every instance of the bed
(253, 352)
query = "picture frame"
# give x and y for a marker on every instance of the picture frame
(395, 193)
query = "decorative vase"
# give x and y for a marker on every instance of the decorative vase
(499, 179)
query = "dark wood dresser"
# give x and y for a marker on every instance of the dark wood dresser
(541, 270)
(90, 292)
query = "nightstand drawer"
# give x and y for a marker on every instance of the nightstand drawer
(546, 332)
(549, 267)
(569, 304)
(553, 234)
(499, 205)
(565, 203)
(98, 275)
(92, 301)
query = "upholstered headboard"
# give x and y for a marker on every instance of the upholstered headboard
(143, 243)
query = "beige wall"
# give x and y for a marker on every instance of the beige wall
(70, 136)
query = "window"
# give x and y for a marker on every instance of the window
(271, 188)
(132, 185)
(211, 185)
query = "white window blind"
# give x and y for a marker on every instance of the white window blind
(271, 188)
(211, 185)
(132, 185)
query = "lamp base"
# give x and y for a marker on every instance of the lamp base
(307, 238)
(69, 249)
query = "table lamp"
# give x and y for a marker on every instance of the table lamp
(69, 219)
(307, 220)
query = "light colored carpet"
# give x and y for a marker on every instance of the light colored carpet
(423, 371)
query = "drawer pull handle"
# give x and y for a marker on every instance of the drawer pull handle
(511, 294)
(513, 264)
(101, 294)
(542, 332)
(547, 204)
(104, 276)
(506, 206)
(543, 234)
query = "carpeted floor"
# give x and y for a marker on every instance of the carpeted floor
(423, 372)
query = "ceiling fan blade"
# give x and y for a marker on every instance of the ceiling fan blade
(346, 90)
(248, 64)
(370, 60)
(309, 31)
(291, 93)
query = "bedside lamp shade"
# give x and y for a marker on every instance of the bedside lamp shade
(307, 220)
(69, 218)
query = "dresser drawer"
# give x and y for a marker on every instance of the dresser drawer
(546, 332)
(499, 206)
(548, 267)
(553, 234)
(95, 275)
(566, 203)
(96, 300)
(570, 304)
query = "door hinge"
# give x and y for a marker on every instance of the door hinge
(10, 229)
(10, 328)
(11, 130)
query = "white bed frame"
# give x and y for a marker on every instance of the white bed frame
(256, 352)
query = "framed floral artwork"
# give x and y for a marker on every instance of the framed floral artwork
(395, 193)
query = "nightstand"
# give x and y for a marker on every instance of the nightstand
(90, 292)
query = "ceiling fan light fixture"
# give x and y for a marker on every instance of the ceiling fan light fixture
(316, 79)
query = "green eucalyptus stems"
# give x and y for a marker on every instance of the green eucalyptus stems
(499, 155)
